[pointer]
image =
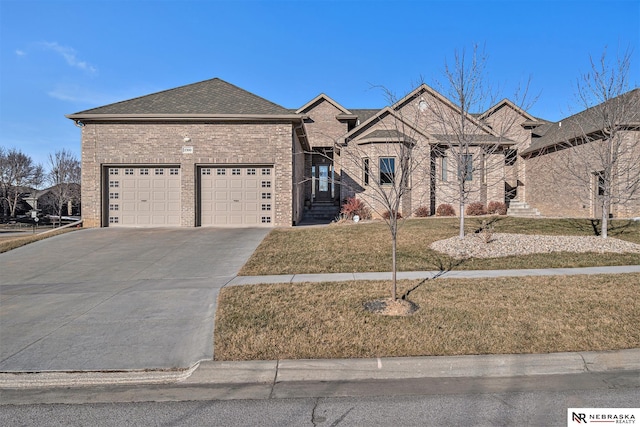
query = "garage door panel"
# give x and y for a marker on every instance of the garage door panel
(159, 196)
(238, 194)
(144, 196)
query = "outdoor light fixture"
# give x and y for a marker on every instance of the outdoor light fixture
(186, 139)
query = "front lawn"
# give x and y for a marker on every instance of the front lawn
(367, 247)
(454, 317)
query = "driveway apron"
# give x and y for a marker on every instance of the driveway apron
(116, 299)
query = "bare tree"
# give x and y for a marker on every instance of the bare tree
(470, 148)
(386, 167)
(64, 178)
(19, 174)
(602, 144)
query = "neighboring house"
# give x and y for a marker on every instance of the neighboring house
(212, 154)
(47, 201)
(565, 161)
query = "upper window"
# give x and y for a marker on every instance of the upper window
(387, 170)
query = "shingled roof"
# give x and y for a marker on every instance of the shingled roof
(210, 97)
(586, 122)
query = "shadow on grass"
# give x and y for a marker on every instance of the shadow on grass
(594, 226)
(443, 265)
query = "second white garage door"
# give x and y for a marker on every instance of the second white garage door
(236, 196)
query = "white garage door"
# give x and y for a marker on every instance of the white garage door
(144, 196)
(236, 196)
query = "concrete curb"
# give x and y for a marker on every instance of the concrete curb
(332, 370)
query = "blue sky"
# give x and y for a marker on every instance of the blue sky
(59, 57)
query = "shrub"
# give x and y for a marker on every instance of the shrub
(387, 215)
(422, 211)
(486, 232)
(445, 209)
(497, 208)
(476, 208)
(354, 206)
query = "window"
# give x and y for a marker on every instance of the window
(266, 196)
(366, 170)
(443, 165)
(128, 171)
(113, 220)
(114, 184)
(235, 171)
(221, 171)
(510, 157)
(465, 170)
(266, 171)
(159, 171)
(251, 171)
(206, 171)
(113, 171)
(266, 219)
(114, 195)
(113, 207)
(144, 171)
(387, 170)
(173, 171)
(266, 184)
(266, 207)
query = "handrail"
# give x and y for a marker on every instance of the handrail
(73, 224)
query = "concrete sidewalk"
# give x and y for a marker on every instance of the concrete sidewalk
(412, 275)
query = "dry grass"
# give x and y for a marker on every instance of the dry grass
(367, 247)
(489, 316)
(8, 243)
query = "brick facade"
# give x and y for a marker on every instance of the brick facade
(158, 143)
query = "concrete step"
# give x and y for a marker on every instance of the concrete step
(518, 208)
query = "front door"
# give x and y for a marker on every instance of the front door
(324, 186)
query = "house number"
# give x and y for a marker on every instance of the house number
(187, 150)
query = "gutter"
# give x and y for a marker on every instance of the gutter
(80, 118)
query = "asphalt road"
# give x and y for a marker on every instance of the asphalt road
(470, 408)
(116, 299)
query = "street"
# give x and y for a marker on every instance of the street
(529, 401)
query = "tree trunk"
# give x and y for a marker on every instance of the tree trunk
(605, 219)
(461, 231)
(394, 240)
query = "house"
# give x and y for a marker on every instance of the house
(575, 163)
(213, 154)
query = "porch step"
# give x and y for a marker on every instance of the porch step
(322, 211)
(518, 208)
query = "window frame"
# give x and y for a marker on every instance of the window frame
(386, 176)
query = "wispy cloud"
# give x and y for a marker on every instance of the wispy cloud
(21, 52)
(70, 56)
(80, 95)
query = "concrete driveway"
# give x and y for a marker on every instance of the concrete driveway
(116, 299)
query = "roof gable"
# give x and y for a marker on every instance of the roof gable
(211, 97)
(322, 97)
(505, 103)
(413, 95)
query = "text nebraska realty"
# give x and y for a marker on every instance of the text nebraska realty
(605, 418)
